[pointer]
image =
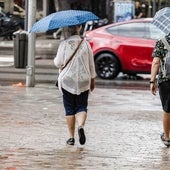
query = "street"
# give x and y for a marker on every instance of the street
(122, 131)
(46, 72)
(124, 120)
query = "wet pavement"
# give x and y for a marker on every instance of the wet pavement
(122, 131)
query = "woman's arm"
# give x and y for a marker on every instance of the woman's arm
(154, 72)
(59, 59)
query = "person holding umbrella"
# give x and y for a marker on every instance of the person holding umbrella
(76, 66)
(160, 52)
(76, 79)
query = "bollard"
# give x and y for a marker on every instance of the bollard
(20, 49)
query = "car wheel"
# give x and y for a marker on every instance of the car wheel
(107, 66)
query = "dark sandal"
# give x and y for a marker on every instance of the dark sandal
(166, 142)
(82, 137)
(70, 141)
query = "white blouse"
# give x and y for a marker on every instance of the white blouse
(76, 76)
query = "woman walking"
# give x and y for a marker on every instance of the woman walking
(76, 79)
(158, 67)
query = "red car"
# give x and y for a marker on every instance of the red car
(124, 47)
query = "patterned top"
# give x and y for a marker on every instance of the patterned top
(161, 51)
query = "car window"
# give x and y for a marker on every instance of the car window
(130, 30)
(154, 32)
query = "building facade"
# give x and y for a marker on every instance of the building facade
(102, 8)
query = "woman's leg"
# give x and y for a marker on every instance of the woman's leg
(164, 92)
(81, 114)
(81, 118)
(71, 125)
(81, 108)
(166, 124)
(68, 101)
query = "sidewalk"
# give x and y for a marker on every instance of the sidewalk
(45, 47)
(122, 131)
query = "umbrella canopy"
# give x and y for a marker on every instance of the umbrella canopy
(63, 19)
(162, 20)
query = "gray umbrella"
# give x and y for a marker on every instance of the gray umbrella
(162, 20)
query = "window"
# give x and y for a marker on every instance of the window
(137, 30)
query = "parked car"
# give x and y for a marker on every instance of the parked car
(124, 47)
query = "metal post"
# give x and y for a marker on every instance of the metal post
(154, 8)
(45, 5)
(149, 9)
(30, 70)
(26, 16)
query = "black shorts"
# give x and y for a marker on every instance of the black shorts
(75, 103)
(164, 92)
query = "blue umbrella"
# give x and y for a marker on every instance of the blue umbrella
(63, 19)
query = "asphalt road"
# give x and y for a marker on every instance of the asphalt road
(45, 72)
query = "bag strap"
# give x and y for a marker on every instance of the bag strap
(166, 43)
(72, 55)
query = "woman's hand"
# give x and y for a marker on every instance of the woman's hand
(92, 84)
(153, 88)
